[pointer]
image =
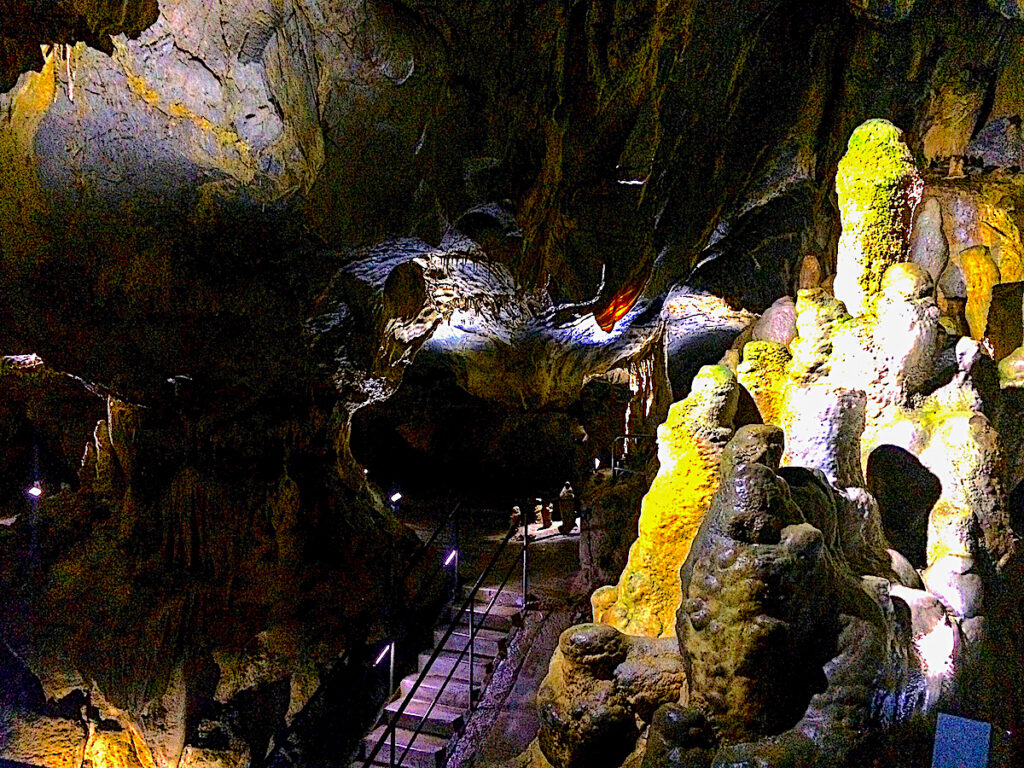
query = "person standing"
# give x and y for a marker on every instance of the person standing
(567, 509)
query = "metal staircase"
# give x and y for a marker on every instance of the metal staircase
(431, 706)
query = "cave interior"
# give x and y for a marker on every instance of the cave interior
(579, 384)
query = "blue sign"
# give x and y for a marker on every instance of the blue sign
(960, 743)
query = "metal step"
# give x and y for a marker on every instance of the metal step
(448, 660)
(490, 643)
(510, 595)
(442, 721)
(426, 751)
(501, 617)
(455, 694)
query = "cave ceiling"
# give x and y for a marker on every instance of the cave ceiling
(173, 178)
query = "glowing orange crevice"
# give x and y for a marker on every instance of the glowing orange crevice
(620, 304)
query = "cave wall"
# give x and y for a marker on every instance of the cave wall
(637, 136)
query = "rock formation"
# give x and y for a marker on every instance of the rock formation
(602, 688)
(802, 630)
(878, 187)
(690, 445)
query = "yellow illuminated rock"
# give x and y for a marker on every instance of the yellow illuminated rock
(764, 368)
(884, 353)
(878, 188)
(1011, 369)
(690, 445)
(22, 203)
(113, 749)
(981, 274)
(27, 738)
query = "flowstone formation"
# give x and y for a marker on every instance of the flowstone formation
(690, 446)
(878, 187)
(601, 691)
(794, 652)
(857, 568)
(924, 392)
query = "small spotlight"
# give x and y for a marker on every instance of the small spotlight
(366, 471)
(451, 556)
(396, 497)
(382, 654)
(597, 463)
(35, 491)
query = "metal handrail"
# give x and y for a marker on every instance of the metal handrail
(414, 560)
(437, 652)
(462, 653)
(417, 556)
(623, 439)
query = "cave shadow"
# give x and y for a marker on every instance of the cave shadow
(906, 492)
(1015, 507)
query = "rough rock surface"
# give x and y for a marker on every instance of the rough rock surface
(155, 589)
(879, 188)
(893, 353)
(32, 739)
(783, 638)
(602, 687)
(803, 632)
(690, 444)
(174, 201)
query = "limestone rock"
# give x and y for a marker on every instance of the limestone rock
(600, 688)
(937, 639)
(777, 324)
(951, 579)
(878, 187)
(757, 644)
(1003, 324)
(826, 425)
(926, 397)
(928, 246)
(762, 570)
(952, 282)
(811, 274)
(1011, 369)
(48, 742)
(680, 738)
(890, 354)
(117, 748)
(998, 144)
(904, 570)
(981, 274)
(690, 444)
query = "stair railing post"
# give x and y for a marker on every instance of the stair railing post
(472, 642)
(391, 670)
(391, 689)
(526, 561)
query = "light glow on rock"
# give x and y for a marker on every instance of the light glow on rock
(938, 654)
(619, 306)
